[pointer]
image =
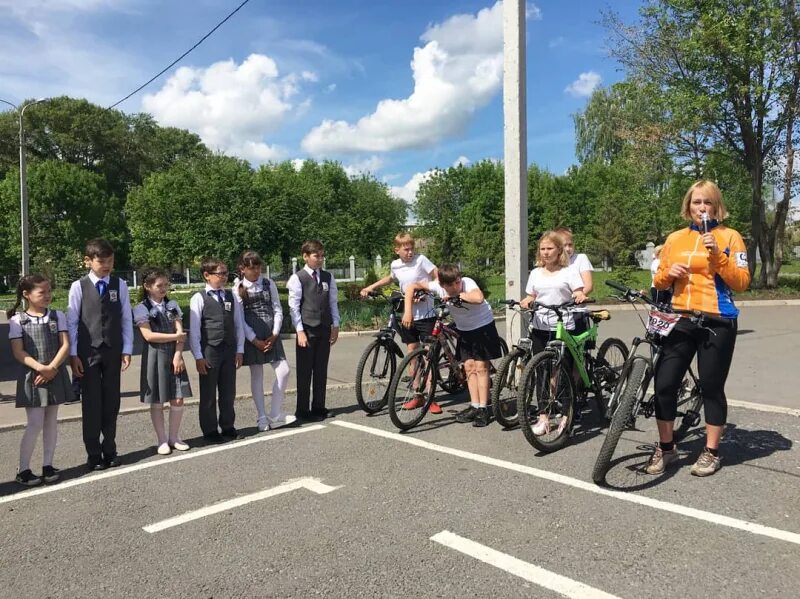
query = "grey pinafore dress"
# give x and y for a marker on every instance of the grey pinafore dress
(260, 316)
(158, 384)
(41, 342)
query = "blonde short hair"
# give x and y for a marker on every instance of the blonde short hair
(404, 238)
(657, 250)
(558, 241)
(714, 194)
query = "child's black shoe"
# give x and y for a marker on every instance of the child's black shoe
(50, 474)
(28, 478)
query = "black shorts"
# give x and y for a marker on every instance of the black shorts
(479, 344)
(419, 331)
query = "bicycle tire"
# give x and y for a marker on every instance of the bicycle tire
(691, 416)
(609, 374)
(408, 389)
(367, 395)
(532, 385)
(629, 389)
(507, 378)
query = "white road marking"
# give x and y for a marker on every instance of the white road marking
(763, 407)
(312, 484)
(111, 473)
(710, 517)
(538, 576)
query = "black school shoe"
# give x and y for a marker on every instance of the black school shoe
(214, 437)
(481, 418)
(50, 474)
(320, 415)
(112, 461)
(231, 435)
(95, 464)
(28, 478)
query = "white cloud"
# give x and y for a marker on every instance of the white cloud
(232, 107)
(462, 161)
(298, 163)
(46, 50)
(408, 192)
(331, 88)
(584, 85)
(533, 12)
(456, 73)
(556, 42)
(362, 167)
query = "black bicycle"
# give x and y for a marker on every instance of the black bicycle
(630, 398)
(378, 363)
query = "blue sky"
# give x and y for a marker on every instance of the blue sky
(393, 87)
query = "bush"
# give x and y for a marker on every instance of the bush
(352, 291)
(626, 275)
(370, 276)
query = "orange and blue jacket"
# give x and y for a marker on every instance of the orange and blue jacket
(712, 280)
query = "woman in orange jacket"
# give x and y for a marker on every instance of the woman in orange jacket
(703, 264)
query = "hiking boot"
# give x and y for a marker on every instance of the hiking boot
(706, 465)
(481, 418)
(467, 415)
(660, 460)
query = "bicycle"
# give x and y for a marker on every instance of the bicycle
(432, 365)
(548, 384)
(630, 397)
(506, 384)
(378, 363)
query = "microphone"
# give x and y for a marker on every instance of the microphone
(704, 216)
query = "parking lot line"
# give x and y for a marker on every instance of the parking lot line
(710, 517)
(173, 459)
(312, 484)
(538, 576)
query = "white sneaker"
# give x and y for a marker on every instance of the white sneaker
(180, 445)
(281, 420)
(542, 426)
(164, 449)
(263, 425)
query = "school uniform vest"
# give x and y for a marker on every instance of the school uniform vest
(258, 311)
(217, 325)
(100, 320)
(315, 307)
(41, 341)
(161, 321)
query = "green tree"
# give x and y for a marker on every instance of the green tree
(726, 73)
(67, 206)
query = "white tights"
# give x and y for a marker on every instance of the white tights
(281, 369)
(39, 420)
(175, 415)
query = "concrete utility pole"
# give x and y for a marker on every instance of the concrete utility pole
(515, 158)
(23, 184)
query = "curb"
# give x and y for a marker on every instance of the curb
(189, 402)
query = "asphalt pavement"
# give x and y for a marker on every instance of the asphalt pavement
(352, 508)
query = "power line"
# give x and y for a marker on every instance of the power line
(181, 57)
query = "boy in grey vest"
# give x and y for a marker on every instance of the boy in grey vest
(314, 308)
(100, 326)
(216, 338)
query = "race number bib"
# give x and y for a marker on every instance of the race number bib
(662, 323)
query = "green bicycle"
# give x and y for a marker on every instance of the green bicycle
(551, 400)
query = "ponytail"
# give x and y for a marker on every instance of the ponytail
(26, 284)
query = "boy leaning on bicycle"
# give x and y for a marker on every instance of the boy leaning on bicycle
(478, 341)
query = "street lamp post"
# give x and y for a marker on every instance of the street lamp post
(23, 185)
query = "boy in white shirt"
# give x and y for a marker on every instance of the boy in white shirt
(478, 341)
(408, 268)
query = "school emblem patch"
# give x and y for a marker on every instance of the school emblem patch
(113, 295)
(228, 306)
(53, 326)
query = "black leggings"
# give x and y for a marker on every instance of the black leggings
(714, 354)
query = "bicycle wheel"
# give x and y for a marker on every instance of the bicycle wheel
(689, 403)
(629, 391)
(374, 375)
(610, 360)
(412, 389)
(505, 388)
(548, 390)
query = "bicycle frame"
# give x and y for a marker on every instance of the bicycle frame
(576, 345)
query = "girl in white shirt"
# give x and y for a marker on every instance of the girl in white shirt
(553, 282)
(263, 316)
(579, 262)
